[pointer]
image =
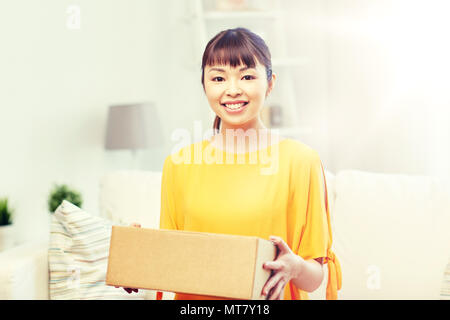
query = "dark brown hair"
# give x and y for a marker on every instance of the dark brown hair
(235, 47)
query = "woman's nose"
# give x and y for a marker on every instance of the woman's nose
(233, 89)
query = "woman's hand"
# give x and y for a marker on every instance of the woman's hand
(130, 290)
(286, 266)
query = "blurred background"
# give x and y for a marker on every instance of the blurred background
(364, 82)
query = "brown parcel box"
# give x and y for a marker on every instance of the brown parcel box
(210, 264)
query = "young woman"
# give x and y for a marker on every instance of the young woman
(264, 186)
(287, 204)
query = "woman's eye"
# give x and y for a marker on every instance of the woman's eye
(220, 79)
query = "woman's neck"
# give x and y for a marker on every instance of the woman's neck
(246, 138)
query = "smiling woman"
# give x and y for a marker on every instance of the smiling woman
(287, 205)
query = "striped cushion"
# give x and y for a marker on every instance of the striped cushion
(445, 290)
(78, 256)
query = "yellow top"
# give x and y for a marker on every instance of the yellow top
(279, 190)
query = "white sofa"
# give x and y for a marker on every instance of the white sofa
(391, 234)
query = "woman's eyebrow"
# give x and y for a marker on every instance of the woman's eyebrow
(216, 69)
(222, 70)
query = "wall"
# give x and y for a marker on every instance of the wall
(388, 89)
(375, 89)
(308, 39)
(57, 84)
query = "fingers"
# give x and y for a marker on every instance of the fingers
(270, 284)
(278, 291)
(135, 224)
(279, 242)
(275, 278)
(274, 287)
(273, 265)
(130, 290)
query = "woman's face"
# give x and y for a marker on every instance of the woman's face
(237, 94)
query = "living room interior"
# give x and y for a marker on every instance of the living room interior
(365, 83)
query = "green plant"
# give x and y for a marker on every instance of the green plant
(63, 192)
(5, 212)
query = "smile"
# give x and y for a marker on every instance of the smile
(235, 107)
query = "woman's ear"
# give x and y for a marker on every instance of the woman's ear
(271, 84)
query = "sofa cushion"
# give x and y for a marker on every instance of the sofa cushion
(391, 234)
(24, 271)
(78, 256)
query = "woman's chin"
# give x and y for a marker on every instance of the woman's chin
(234, 123)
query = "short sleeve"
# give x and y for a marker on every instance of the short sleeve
(168, 216)
(313, 239)
(311, 234)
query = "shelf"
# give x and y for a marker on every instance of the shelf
(220, 15)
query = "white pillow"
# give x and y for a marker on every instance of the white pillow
(78, 256)
(391, 235)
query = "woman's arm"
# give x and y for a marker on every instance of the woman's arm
(309, 276)
(306, 275)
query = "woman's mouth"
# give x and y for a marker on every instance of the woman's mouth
(235, 107)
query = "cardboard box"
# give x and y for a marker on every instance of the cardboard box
(210, 264)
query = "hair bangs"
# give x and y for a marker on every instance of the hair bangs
(232, 49)
(232, 55)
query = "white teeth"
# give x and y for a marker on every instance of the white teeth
(234, 106)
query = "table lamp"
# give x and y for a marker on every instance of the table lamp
(133, 127)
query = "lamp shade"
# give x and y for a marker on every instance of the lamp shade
(132, 127)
